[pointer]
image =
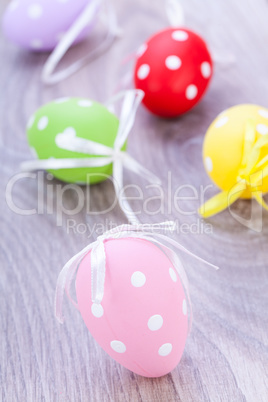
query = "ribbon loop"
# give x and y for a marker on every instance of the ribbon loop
(82, 145)
(98, 261)
(250, 176)
(131, 102)
(98, 268)
(68, 163)
(84, 19)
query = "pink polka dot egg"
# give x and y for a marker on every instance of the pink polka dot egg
(39, 25)
(173, 68)
(142, 321)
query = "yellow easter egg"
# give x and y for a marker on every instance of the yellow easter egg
(230, 147)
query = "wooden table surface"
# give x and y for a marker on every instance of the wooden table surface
(226, 355)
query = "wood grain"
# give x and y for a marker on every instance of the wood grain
(226, 357)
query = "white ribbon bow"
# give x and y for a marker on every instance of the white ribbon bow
(120, 159)
(98, 262)
(84, 19)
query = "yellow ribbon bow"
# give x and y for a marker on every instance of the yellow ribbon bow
(250, 175)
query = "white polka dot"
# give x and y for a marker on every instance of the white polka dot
(35, 11)
(118, 346)
(143, 71)
(42, 123)
(165, 349)
(180, 36)
(173, 275)
(222, 121)
(97, 310)
(36, 44)
(142, 49)
(184, 307)
(61, 100)
(84, 103)
(263, 113)
(173, 62)
(191, 92)
(31, 122)
(138, 279)
(155, 322)
(209, 164)
(223, 112)
(262, 129)
(206, 69)
(13, 5)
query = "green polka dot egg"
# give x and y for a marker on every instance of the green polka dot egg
(69, 119)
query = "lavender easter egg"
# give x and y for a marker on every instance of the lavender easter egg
(39, 25)
(142, 321)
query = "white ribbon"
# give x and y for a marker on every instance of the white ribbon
(98, 262)
(176, 17)
(120, 159)
(175, 13)
(85, 18)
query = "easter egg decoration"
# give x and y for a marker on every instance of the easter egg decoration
(55, 25)
(63, 129)
(80, 141)
(235, 154)
(39, 26)
(173, 67)
(132, 293)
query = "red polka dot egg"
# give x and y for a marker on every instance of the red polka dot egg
(142, 321)
(173, 68)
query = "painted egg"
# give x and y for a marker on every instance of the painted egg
(224, 144)
(173, 68)
(54, 125)
(142, 321)
(39, 25)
